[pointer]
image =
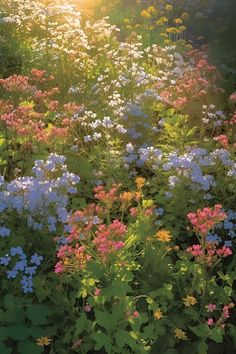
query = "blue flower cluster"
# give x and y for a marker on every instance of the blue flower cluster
(27, 269)
(42, 198)
(192, 164)
(228, 227)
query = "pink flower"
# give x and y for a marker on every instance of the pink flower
(226, 312)
(195, 250)
(223, 140)
(224, 252)
(59, 267)
(210, 321)
(87, 308)
(211, 307)
(204, 220)
(97, 292)
(135, 314)
(233, 97)
(133, 211)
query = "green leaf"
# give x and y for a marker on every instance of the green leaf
(9, 301)
(201, 330)
(37, 332)
(18, 332)
(104, 319)
(80, 324)
(120, 338)
(202, 348)
(102, 340)
(15, 315)
(217, 335)
(171, 351)
(38, 314)
(4, 349)
(3, 333)
(29, 347)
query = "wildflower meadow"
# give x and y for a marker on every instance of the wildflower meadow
(117, 177)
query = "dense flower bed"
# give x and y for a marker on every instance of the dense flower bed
(117, 185)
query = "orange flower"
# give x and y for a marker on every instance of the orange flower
(126, 197)
(140, 181)
(164, 236)
(158, 314)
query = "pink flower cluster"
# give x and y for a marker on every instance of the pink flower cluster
(211, 254)
(204, 220)
(109, 238)
(76, 257)
(17, 83)
(225, 314)
(89, 235)
(28, 110)
(24, 120)
(196, 81)
(109, 197)
(223, 140)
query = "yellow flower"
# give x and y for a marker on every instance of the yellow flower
(164, 236)
(145, 14)
(66, 261)
(189, 300)
(185, 16)
(178, 21)
(162, 20)
(151, 9)
(182, 28)
(172, 30)
(167, 41)
(164, 35)
(189, 46)
(169, 7)
(43, 341)
(140, 181)
(158, 314)
(180, 334)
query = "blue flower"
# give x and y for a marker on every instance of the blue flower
(4, 231)
(1, 180)
(158, 212)
(16, 251)
(213, 237)
(11, 274)
(5, 260)
(27, 284)
(36, 259)
(228, 243)
(30, 270)
(20, 266)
